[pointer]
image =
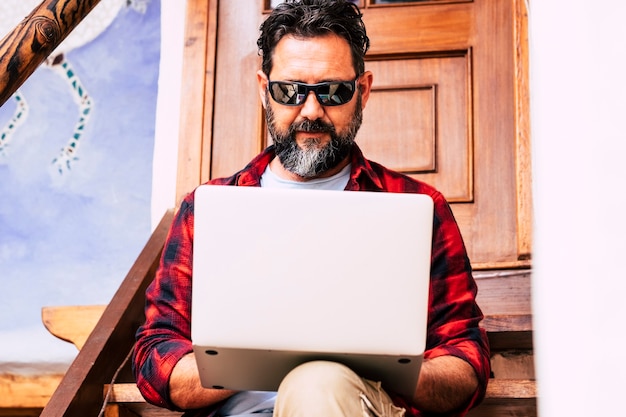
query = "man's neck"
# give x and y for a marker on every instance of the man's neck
(278, 169)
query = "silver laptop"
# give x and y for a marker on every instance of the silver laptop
(283, 277)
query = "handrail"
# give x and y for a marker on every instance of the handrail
(24, 48)
(80, 391)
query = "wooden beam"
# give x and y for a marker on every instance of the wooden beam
(503, 392)
(126, 396)
(27, 391)
(511, 389)
(509, 331)
(30, 43)
(198, 79)
(72, 323)
(20, 412)
(498, 389)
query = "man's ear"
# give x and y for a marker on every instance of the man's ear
(365, 84)
(262, 81)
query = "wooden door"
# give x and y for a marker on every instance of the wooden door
(448, 106)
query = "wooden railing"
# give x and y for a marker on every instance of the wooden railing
(32, 41)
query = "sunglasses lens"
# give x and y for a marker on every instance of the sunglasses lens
(286, 93)
(335, 94)
(328, 94)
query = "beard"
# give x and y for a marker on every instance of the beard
(312, 159)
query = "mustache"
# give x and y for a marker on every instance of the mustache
(316, 126)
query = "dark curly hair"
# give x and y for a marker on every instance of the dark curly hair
(311, 18)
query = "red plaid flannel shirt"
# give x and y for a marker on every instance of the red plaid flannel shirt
(453, 314)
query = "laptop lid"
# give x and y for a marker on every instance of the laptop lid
(282, 277)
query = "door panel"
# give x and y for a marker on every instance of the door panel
(446, 108)
(418, 121)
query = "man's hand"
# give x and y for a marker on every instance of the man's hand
(185, 388)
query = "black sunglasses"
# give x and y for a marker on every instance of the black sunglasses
(332, 93)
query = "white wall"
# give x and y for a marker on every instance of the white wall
(168, 108)
(578, 101)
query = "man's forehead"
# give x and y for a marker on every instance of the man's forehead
(326, 56)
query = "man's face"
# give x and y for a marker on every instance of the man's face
(311, 139)
(313, 157)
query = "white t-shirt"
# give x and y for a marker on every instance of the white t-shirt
(336, 182)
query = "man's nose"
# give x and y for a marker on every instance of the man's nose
(311, 108)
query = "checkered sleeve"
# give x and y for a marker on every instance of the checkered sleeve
(454, 316)
(165, 337)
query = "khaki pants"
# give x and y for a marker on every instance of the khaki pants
(329, 389)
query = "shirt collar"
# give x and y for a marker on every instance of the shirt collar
(250, 176)
(362, 176)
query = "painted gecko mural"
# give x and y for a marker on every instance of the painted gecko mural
(76, 165)
(11, 13)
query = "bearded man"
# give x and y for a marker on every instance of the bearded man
(314, 87)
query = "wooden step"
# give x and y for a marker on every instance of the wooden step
(500, 392)
(498, 389)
